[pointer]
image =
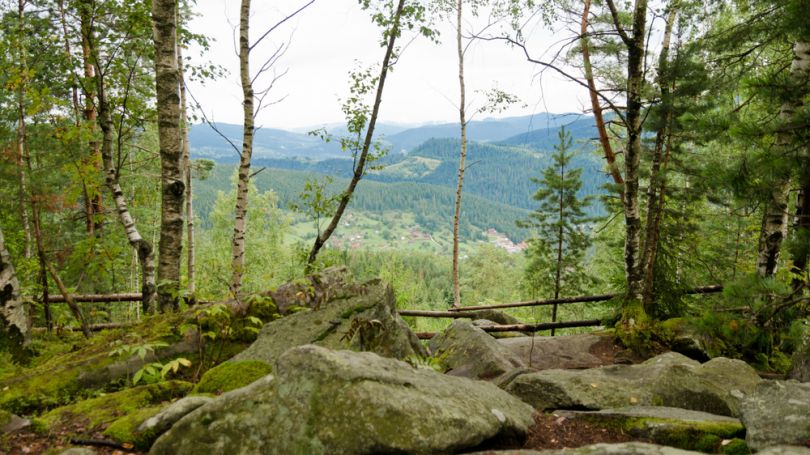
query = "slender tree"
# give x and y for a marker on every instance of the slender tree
(460, 49)
(392, 22)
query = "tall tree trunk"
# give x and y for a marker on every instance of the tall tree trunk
(604, 139)
(775, 216)
(173, 187)
(346, 197)
(635, 85)
(93, 202)
(21, 175)
(190, 269)
(463, 156)
(142, 247)
(15, 324)
(240, 216)
(655, 189)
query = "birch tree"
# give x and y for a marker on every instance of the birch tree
(167, 84)
(361, 120)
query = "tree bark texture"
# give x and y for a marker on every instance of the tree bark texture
(462, 156)
(655, 189)
(320, 241)
(240, 215)
(15, 324)
(21, 175)
(167, 82)
(775, 215)
(142, 246)
(93, 201)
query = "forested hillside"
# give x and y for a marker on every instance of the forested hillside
(523, 225)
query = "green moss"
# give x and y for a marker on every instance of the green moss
(687, 435)
(52, 378)
(736, 447)
(232, 375)
(108, 408)
(124, 429)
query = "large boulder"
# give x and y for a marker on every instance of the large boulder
(669, 379)
(313, 291)
(320, 401)
(589, 350)
(359, 317)
(777, 412)
(472, 353)
(681, 428)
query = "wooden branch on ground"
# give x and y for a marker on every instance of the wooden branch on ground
(434, 314)
(579, 299)
(525, 327)
(98, 298)
(93, 327)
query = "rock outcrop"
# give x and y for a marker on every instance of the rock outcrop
(359, 317)
(777, 412)
(472, 353)
(340, 402)
(669, 379)
(589, 350)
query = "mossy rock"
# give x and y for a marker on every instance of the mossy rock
(674, 427)
(125, 429)
(79, 367)
(232, 375)
(102, 411)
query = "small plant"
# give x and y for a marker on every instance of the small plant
(141, 350)
(365, 330)
(436, 364)
(157, 371)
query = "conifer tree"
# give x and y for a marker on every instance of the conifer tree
(556, 253)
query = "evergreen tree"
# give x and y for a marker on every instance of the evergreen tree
(556, 254)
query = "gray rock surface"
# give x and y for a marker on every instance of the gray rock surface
(777, 412)
(321, 401)
(10, 423)
(669, 379)
(564, 352)
(79, 451)
(162, 421)
(360, 317)
(627, 448)
(472, 353)
(785, 450)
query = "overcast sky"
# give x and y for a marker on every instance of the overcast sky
(326, 40)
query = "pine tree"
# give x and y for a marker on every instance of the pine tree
(557, 252)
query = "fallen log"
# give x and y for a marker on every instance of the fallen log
(577, 299)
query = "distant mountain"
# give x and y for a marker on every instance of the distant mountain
(270, 143)
(267, 143)
(582, 130)
(487, 130)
